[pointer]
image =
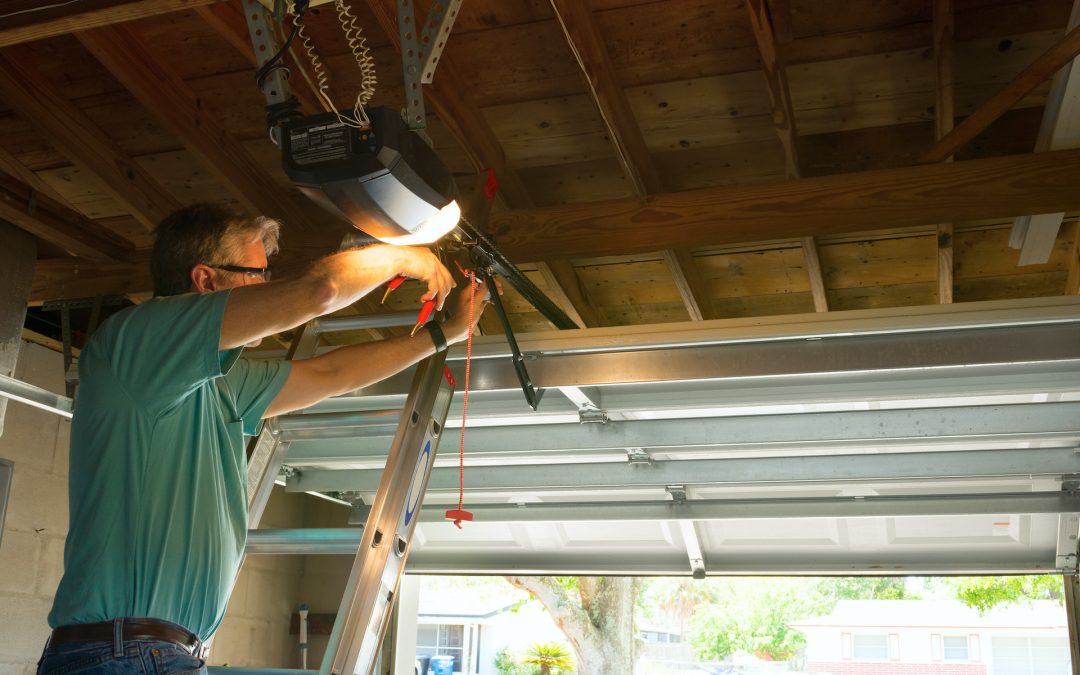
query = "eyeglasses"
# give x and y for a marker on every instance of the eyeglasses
(250, 272)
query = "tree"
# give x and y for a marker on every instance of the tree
(985, 593)
(867, 588)
(595, 613)
(549, 655)
(752, 615)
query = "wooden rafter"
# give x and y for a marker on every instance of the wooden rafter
(60, 278)
(1038, 72)
(998, 187)
(463, 118)
(48, 219)
(81, 141)
(1072, 282)
(1036, 234)
(770, 46)
(171, 101)
(450, 100)
(228, 21)
(565, 285)
(944, 113)
(28, 20)
(633, 154)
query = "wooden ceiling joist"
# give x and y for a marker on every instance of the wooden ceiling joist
(450, 100)
(1035, 74)
(81, 141)
(170, 100)
(62, 278)
(982, 189)
(763, 21)
(565, 286)
(1035, 235)
(944, 114)
(46, 218)
(623, 130)
(27, 20)
(228, 21)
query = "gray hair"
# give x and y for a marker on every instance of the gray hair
(203, 233)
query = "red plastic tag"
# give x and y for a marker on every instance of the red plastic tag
(449, 376)
(491, 185)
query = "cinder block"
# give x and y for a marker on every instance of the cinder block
(29, 437)
(41, 366)
(39, 502)
(234, 642)
(25, 628)
(238, 598)
(19, 555)
(63, 443)
(50, 566)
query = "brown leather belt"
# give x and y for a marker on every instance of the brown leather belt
(132, 629)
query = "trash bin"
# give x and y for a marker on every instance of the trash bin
(442, 665)
(423, 664)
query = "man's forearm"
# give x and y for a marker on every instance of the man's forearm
(337, 281)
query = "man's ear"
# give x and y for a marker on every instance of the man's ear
(202, 279)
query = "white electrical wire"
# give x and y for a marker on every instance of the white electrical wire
(358, 46)
(38, 9)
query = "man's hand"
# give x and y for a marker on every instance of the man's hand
(457, 327)
(421, 263)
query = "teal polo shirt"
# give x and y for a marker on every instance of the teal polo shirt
(158, 476)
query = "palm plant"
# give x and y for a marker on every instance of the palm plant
(549, 655)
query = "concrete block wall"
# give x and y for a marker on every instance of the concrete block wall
(255, 631)
(32, 546)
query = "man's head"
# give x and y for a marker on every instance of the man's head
(203, 247)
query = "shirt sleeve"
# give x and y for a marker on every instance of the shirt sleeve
(163, 349)
(255, 383)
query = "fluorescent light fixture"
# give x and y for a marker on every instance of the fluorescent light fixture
(385, 181)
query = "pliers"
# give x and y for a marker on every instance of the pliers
(425, 311)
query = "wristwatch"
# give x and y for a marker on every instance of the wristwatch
(437, 336)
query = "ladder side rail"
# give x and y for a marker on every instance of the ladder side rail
(380, 560)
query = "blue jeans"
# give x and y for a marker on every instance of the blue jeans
(131, 657)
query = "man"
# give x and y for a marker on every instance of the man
(158, 504)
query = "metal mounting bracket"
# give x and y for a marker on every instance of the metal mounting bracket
(638, 456)
(420, 54)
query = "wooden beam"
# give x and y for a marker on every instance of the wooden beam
(450, 101)
(1072, 282)
(944, 112)
(692, 288)
(565, 285)
(61, 278)
(607, 94)
(48, 219)
(765, 17)
(157, 87)
(983, 189)
(783, 113)
(26, 20)
(227, 20)
(623, 130)
(1036, 235)
(813, 269)
(1035, 74)
(73, 134)
(11, 165)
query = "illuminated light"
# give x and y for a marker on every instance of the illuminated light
(431, 229)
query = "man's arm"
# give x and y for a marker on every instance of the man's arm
(256, 311)
(348, 368)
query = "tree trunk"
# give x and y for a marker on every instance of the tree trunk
(597, 619)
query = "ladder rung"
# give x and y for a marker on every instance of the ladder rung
(305, 541)
(336, 324)
(316, 426)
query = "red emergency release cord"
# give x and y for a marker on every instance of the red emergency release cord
(459, 514)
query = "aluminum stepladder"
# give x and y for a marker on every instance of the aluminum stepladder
(368, 601)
